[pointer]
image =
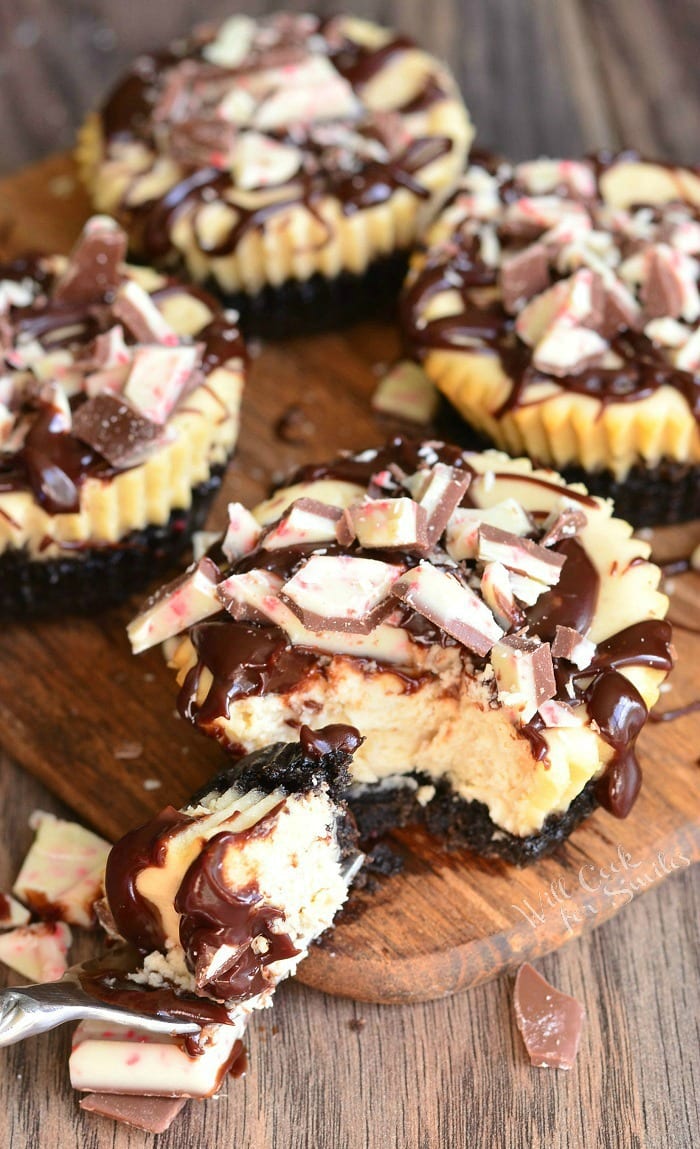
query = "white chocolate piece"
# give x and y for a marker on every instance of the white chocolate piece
(132, 299)
(63, 870)
(389, 523)
(180, 604)
(407, 392)
(455, 608)
(257, 590)
(306, 521)
(38, 951)
(569, 644)
(116, 1059)
(232, 42)
(259, 161)
(519, 555)
(498, 594)
(301, 93)
(339, 591)
(242, 533)
(462, 532)
(556, 714)
(157, 379)
(524, 674)
(441, 493)
(546, 175)
(12, 912)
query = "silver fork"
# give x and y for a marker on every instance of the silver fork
(30, 1009)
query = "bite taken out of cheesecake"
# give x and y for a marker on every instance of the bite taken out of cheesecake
(219, 902)
(497, 636)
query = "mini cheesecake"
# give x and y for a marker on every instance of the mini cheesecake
(219, 902)
(119, 409)
(289, 161)
(556, 305)
(497, 635)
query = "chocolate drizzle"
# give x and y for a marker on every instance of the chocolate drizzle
(140, 109)
(53, 462)
(214, 916)
(136, 918)
(458, 267)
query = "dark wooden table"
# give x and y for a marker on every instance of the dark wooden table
(539, 75)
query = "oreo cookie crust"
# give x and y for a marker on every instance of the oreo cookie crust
(497, 636)
(119, 410)
(267, 153)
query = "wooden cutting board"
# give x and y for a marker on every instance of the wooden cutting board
(99, 727)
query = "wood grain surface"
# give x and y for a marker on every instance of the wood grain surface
(539, 75)
(74, 702)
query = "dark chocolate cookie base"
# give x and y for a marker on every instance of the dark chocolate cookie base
(461, 824)
(319, 304)
(100, 577)
(648, 497)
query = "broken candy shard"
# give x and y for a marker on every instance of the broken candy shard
(93, 270)
(109, 1058)
(447, 603)
(137, 311)
(406, 392)
(157, 379)
(242, 533)
(524, 673)
(550, 1021)
(61, 876)
(519, 555)
(524, 275)
(388, 523)
(112, 427)
(462, 532)
(305, 521)
(152, 1114)
(339, 592)
(12, 912)
(443, 491)
(569, 644)
(562, 524)
(37, 951)
(498, 595)
(189, 599)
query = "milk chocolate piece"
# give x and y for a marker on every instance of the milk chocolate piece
(569, 644)
(519, 555)
(152, 1114)
(114, 429)
(563, 525)
(524, 275)
(93, 270)
(453, 607)
(550, 1021)
(663, 288)
(443, 491)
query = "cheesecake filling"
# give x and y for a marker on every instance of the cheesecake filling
(114, 378)
(481, 622)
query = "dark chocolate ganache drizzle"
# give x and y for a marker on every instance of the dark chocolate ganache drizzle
(458, 266)
(53, 462)
(170, 103)
(214, 916)
(256, 658)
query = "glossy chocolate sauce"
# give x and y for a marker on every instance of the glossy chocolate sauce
(214, 916)
(128, 113)
(136, 918)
